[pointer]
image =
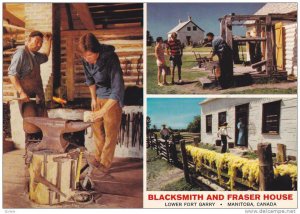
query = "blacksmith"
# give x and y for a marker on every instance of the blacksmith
(24, 71)
(174, 48)
(224, 53)
(104, 78)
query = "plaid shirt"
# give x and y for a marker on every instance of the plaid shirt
(175, 47)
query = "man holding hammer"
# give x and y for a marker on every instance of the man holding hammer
(24, 70)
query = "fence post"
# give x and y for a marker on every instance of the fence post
(174, 154)
(157, 144)
(185, 162)
(167, 150)
(281, 153)
(266, 173)
(196, 141)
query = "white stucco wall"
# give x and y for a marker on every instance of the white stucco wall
(288, 122)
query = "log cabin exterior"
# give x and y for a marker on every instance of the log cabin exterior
(285, 35)
(268, 120)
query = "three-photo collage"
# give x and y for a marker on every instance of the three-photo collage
(149, 105)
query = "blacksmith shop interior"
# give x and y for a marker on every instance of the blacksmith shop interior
(55, 179)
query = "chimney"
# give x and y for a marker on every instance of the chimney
(190, 18)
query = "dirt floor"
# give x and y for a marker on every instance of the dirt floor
(123, 188)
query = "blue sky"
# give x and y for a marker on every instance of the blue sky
(162, 17)
(174, 112)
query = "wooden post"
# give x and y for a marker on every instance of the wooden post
(157, 144)
(185, 162)
(196, 141)
(228, 24)
(167, 150)
(266, 174)
(258, 34)
(174, 153)
(222, 28)
(281, 153)
(70, 68)
(269, 58)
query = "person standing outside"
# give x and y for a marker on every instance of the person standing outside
(104, 78)
(224, 135)
(165, 133)
(224, 53)
(160, 61)
(175, 51)
(241, 136)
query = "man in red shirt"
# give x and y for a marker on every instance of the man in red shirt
(175, 51)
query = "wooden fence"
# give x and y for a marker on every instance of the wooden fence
(216, 179)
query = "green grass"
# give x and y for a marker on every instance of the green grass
(250, 155)
(187, 75)
(265, 91)
(155, 165)
(180, 185)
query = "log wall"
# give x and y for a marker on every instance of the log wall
(129, 47)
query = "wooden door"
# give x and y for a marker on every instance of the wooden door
(279, 45)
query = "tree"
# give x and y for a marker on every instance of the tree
(148, 121)
(149, 39)
(154, 127)
(195, 125)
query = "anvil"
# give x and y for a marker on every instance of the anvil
(53, 130)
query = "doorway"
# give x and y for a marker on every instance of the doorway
(188, 40)
(241, 120)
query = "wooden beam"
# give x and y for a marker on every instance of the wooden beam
(70, 68)
(12, 19)
(107, 7)
(118, 15)
(269, 58)
(228, 24)
(84, 15)
(118, 21)
(69, 16)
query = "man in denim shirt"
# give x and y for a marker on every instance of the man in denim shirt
(224, 53)
(24, 70)
(104, 77)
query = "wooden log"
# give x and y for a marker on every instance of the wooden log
(157, 144)
(70, 70)
(269, 58)
(196, 141)
(84, 14)
(167, 150)
(228, 24)
(281, 153)
(185, 161)
(259, 64)
(266, 174)
(250, 39)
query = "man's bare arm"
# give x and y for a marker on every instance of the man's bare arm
(16, 83)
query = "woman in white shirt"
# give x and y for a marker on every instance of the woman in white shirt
(224, 135)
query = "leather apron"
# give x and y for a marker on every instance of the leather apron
(33, 87)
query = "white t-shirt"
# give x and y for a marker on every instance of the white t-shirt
(223, 130)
